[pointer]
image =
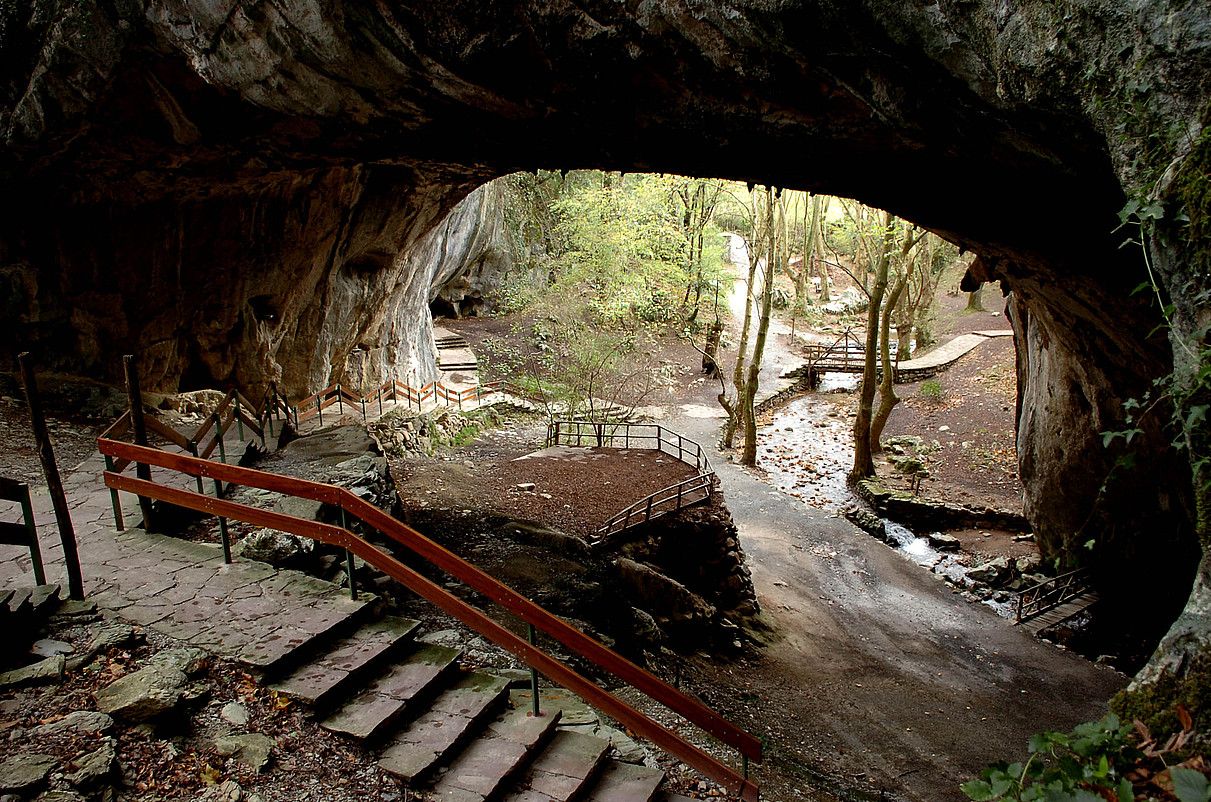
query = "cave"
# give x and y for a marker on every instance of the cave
(173, 165)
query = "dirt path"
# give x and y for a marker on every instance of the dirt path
(879, 679)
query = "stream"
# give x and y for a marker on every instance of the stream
(807, 451)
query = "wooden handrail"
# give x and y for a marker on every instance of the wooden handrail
(468, 574)
(167, 432)
(546, 664)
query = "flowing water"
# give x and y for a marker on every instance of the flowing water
(807, 451)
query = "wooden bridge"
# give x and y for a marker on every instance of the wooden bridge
(845, 355)
(1054, 601)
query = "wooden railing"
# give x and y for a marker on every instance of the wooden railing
(313, 406)
(628, 435)
(374, 519)
(1038, 599)
(845, 355)
(667, 500)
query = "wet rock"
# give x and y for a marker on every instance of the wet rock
(153, 690)
(252, 749)
(943, 542)
(23, 773)
(993, 572)
(274, 547)
(49, 669)
(234, 714)
(867, 521)
(95, 766)
(83, 721)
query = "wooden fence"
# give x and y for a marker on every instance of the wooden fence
(667, 500)
(187, 468)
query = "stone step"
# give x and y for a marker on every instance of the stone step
(497, 755)
(625, 782)
(45, 599)
(323, 680)
(454, 716)
(309, 633)
(403, 687)
(563, 770)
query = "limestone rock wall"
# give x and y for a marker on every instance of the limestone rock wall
(228, 186)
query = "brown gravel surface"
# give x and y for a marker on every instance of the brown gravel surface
(177, 760)
(575, 490)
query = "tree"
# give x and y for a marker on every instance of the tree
(887, 392)
(864, 465)
(766, 245)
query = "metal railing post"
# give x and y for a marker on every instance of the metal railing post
(239, 422)
(218, 433)
(363, 409)
(349, 565)
(319, 410)
(380, 402)
(223, 533)
(534, 674)
(114, 499)
(139, 430)
(193, 451)
(340, 402)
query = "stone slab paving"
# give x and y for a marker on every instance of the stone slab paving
(352, 658)
(452, 717)
(486, 764)
(248, 611)
(563, 768)
(625, 782)
(394, 693)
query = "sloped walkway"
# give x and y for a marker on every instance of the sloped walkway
(944, 356)
(247, 611)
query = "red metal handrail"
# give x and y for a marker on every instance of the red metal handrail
(371, 516)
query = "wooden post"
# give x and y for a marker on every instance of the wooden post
(139, 429)
(46, 454)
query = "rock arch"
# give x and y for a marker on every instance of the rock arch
(168, 162)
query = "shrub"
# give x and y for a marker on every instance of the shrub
(931, 390)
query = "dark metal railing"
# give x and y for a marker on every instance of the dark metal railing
(373, 519)
(667, 500)
(1038, 599)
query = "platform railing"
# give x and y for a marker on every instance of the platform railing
(1038, 599)
(374, 519)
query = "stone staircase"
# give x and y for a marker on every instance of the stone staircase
(24, 610)
(453, 352)
(453, 734)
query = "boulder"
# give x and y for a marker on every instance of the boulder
(252, 749)
(25, 772)
(276, 548)
(234, 714)
(944, 542)
(153, 690)
(49, 669)
(669, 601)
(94, 766)
(992, 573)
(82, 721)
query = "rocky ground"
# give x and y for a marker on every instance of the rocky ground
(132, 716)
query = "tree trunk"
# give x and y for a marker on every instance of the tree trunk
(711, 351)
(821, 265)
(887, 393)
(864, 465)
(735, 413)
(974, 301)
(749, 455)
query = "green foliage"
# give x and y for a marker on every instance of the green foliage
(1088, 764)
(931, 389)
(1190, 785)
